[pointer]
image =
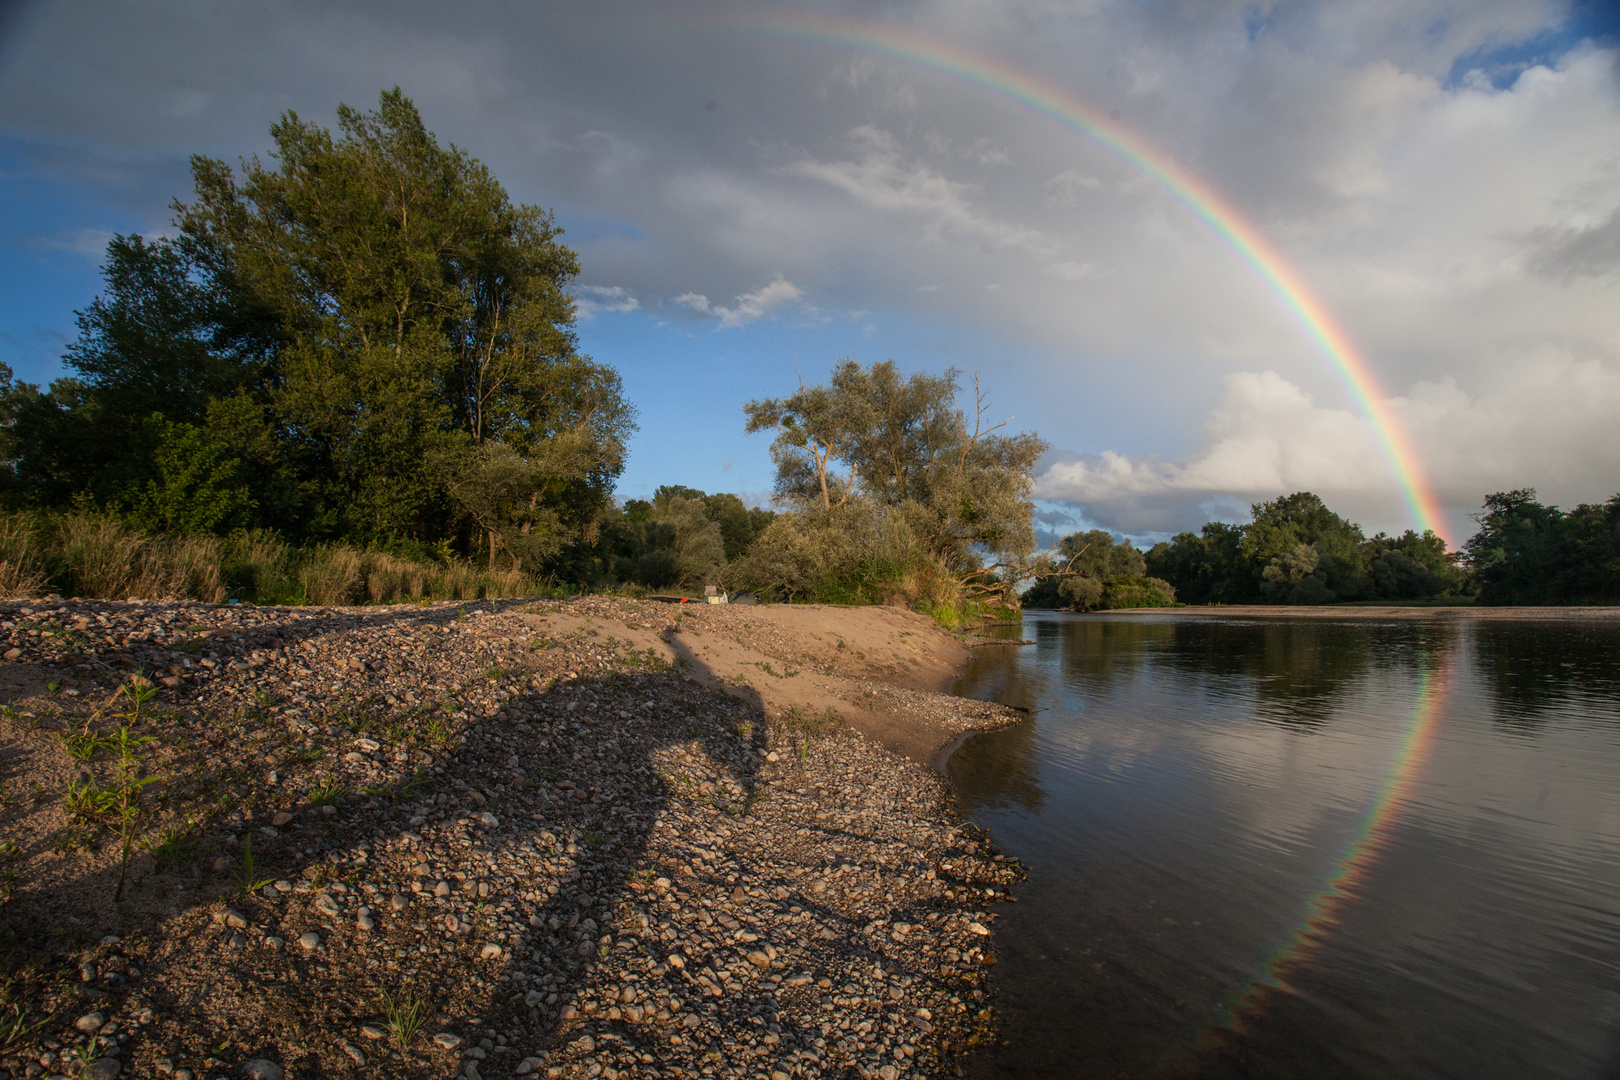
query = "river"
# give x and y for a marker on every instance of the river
(1304, 847)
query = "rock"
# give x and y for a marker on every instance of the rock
(368, 745)
(235, 919)
(470, 1070)
(759, 959)
(527, 1066)
(354, 757)
(12, 654)
(261, 1069)
(372, 1031)
(491, 951)
(976, 928)
(107, 1068)
(354, 1053)
(442, 889)
(281, 818)
(446, 1039)
(309, 941)
(184, 1074)
(274, 943)
(90, 1023)
(676, 961)
(399, 901)
(366, 923)
(533, 998)
(488, 820)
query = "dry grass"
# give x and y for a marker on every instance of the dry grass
(91, 555)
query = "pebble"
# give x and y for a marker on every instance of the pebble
(90, 1023)
(262, 1069)
(354, 1053)
(668, 883)
(106, 1068)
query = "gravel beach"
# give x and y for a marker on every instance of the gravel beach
(582, 838)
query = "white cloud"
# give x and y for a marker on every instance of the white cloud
(750, 307)
(880, 178)
(1549, 424)
(591, 300)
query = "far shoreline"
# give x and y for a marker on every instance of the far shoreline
(1593, 613)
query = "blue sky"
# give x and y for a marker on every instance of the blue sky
(750, 208)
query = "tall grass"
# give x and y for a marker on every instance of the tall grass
(92, 555)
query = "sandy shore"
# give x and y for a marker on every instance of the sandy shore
(587, 838)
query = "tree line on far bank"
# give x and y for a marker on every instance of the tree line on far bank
(1297, 551)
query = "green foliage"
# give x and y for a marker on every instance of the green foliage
(1297, 551)
(1094, 573)
(892, 491)
(1527, 553)
(363, 342)
(680, 538)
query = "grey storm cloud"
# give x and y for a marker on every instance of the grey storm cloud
(1463, 232)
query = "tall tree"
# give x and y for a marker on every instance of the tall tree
(427, 330)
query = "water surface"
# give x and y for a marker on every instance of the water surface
(1305, 847)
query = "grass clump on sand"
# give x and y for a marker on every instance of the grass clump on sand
(86, 554)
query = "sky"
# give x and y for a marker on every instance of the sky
(759, 191)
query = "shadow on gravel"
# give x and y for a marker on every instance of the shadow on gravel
(514, 894)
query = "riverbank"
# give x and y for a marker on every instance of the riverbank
(591, 837)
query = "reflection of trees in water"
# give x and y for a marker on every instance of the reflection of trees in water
(1533, 669)
(1300, 670)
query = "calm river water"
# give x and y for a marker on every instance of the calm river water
(1304, 847)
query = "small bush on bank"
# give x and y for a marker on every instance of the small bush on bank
(95, 555)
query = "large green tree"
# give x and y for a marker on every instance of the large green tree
(363, 339)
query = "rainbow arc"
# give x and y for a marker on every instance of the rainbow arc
(1205, 203)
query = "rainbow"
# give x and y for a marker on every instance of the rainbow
(1205, 203)
(1367, 842)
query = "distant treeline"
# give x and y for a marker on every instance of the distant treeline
(1297, 551)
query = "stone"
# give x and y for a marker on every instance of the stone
(470, 1070)
(399, 901)
(366, 923)
(373, 1031)
(12, 654)
(976, 928)
(676, 961)
(527, 1066)
(274, 943)
(447, 1039)
(442, 889)
(281, 818)
(759, 959)
(184, 1074)
(261, 1069)
(107, 1068)
(90, 1023)
(368, 745)
(491, 951)
(235, 919)
(488, 820)
(309, 941)
(354, 1053)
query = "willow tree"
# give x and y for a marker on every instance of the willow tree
(957, 487)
